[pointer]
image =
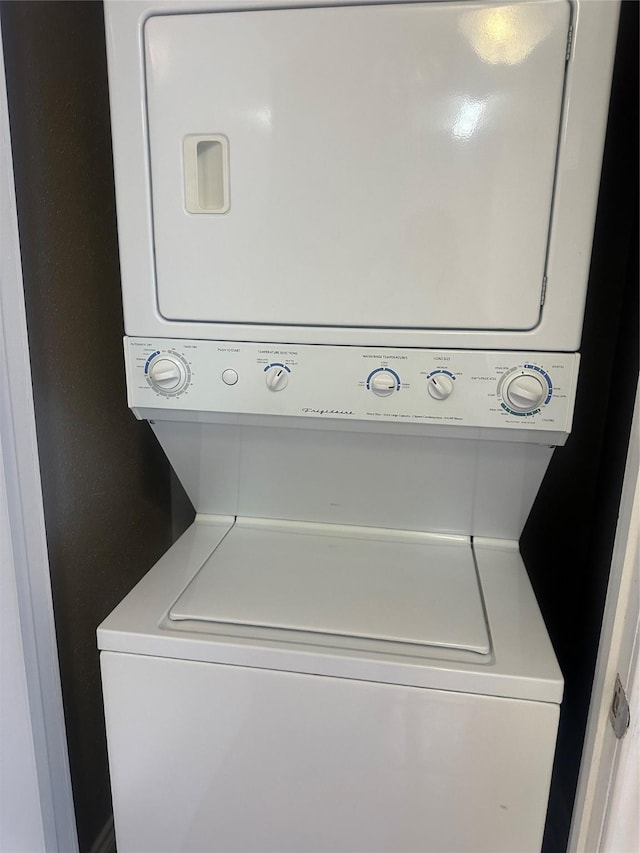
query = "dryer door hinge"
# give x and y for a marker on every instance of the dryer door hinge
(619, 714)
(544, 291)
(569, 43)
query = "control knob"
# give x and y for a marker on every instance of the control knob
(277, 378)
(167, 374)
(524, 392)
(383, 383)
(440, 386)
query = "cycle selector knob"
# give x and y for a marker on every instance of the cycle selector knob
(383, 383)
(440, 386)
(277, 378)
(524, 392)
(168, 374)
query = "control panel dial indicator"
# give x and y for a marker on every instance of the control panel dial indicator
(525, 390)
(167, 373)
(441, 389)
(525, 393)
(277, 377)
(383, 382)
(440, 385)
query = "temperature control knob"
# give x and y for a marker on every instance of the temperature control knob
(168, 374)
(524, 393)
(383, 383)
(440, 386)
(277, 378)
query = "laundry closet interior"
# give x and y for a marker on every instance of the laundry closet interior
(361, 477)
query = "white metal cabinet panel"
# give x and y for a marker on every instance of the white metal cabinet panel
(524, 666)
(323, 383)
(216, 758)
(382, 584)
(484, 488)
(576, 190)
(390, 166)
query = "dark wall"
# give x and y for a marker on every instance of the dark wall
(105, 482)
(568, 541)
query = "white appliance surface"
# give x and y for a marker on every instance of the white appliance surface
(249, 738)
(520, 662)
(278, 762)
(389, 166)
(451, 485)
(344, 652)
(385, 585)
(420, 174)
(525, 391)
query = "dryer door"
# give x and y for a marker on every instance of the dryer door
(370, 166)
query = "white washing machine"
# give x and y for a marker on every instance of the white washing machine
(354, 244)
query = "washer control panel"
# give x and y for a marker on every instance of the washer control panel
(458, 387)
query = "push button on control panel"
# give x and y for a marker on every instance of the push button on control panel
(229, 376)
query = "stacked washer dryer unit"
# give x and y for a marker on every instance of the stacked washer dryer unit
(355, 242)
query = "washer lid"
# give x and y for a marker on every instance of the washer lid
(357, 582)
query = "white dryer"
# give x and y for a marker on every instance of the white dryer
(354, 244)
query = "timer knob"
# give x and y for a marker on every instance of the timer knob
(440, 386)
(383, 383)
(167, 374)
(277, 378)
(524, 393)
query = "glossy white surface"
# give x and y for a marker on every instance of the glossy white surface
(472, 487)
(392, 386)
(581, 136)
(216, 758)
(386, 585)
(243, 738)
(276, 716)
(390, 166)
(343, 730)
(521, 664)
